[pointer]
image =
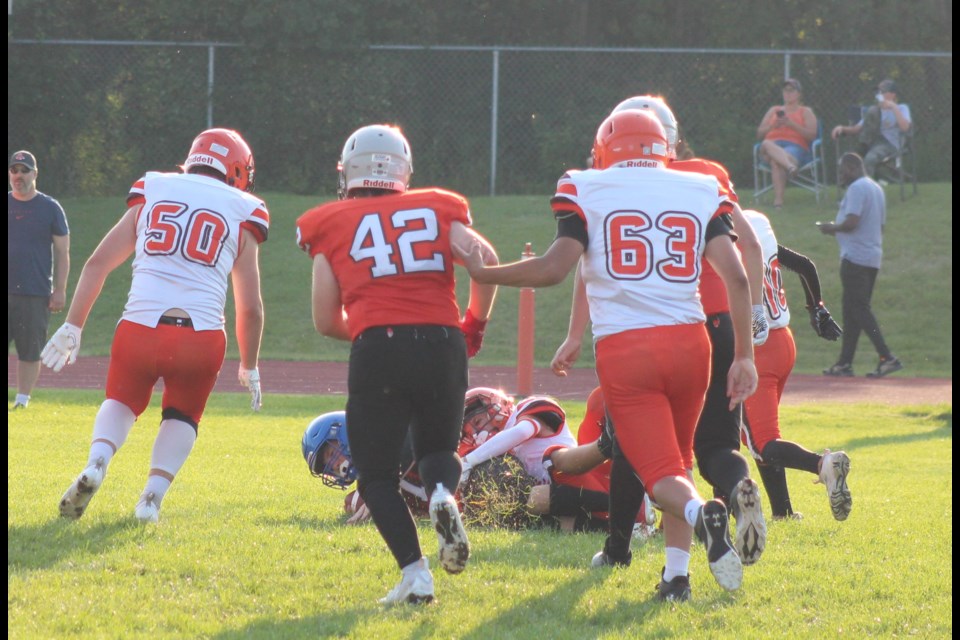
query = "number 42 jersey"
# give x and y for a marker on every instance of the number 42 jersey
(188, 234)
(648, 228)
(390, 254)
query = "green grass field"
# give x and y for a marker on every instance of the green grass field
(249, 545)
(913, 298)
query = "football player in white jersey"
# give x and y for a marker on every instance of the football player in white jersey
(775, 358)
(188, 232)
(642, 230)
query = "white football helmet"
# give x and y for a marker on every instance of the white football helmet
(375, 157)
(659, 106)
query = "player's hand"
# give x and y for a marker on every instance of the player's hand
(362, 514)
(62, 348)
(761, 330)
(472, 257)
(605, 441)
(825, 326)
(250, 378)
(465, 471)
(473, 330)
(58, 300)
(741, 381)
(565, 357)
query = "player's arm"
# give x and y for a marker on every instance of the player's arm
(329, 317)
(247, 300)
(113, 250)
(806, 269)
(575, 460)
(749, 245)
(481, 295)
(569, 351)
(742, 377)
(61, 269)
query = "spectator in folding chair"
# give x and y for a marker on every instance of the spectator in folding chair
(787, 131)
(880, 128)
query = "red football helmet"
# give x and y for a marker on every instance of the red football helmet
(485, 412)
(226, 151)
(632, 134)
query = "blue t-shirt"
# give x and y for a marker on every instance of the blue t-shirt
(863, 245)
(31, 226)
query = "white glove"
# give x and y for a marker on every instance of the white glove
(360, 515)
(62, 348)
(250, 378)
(761, 330)
(465, 473)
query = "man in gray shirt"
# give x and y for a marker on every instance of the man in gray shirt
(859, 232)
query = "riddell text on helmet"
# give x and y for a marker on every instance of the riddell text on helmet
(378, 184)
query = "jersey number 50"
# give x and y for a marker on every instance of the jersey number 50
(200, 236)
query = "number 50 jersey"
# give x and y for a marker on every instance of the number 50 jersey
(648, 228)
(188, 234)
(390, 254)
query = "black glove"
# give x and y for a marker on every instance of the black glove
(825, 326)
(605, 442)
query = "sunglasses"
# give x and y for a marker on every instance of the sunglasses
(20, 170)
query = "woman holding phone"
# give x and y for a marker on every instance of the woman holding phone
(787, 131)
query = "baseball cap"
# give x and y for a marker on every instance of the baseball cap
(25, 158)
(793, 82)
(887, 86)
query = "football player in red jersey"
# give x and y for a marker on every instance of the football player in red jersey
(642, 231)
(383, 278)
(190, 233)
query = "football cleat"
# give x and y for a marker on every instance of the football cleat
(676, 590)
(834, 468)
(74, 502)
(147, 510)
(445, 517)
(413, 589)
(751, 536)
(712, 530)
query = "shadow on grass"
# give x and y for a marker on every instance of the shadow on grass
(34, 547)
(945, 430)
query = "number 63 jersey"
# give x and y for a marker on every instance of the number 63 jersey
(648, 228)
(390, 254)
(188, 233)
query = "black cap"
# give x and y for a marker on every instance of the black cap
(793, 82)
(887, 85)
(25, 158)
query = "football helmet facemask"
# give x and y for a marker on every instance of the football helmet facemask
(336, 468)
(629, 135)
(226, 151)
(375, 157)
(485, 411)
(659, 106)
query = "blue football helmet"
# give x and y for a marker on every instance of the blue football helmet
(329, 428)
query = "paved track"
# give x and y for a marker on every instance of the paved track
(331, 378)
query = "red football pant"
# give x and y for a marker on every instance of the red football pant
(774, 360)
(188, 361)
(654, 381)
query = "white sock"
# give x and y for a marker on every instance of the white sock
(678, 563)
(692, 510)
(414, 567)
(157, 485)
(173, 445)
(23, 399)
(110, 429)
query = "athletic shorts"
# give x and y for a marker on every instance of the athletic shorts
(774, 360)
(28, 318)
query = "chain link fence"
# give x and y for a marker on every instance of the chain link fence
(481, 120)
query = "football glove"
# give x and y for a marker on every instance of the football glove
(62, 348)
(825, 326)
(605, 441)
(250, 378)
(761, 330)
(472, 333)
